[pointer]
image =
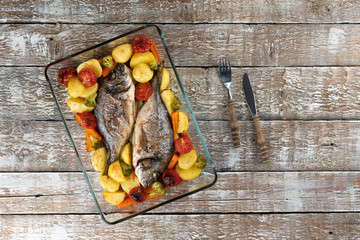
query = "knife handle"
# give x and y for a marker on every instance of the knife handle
(234, 124)
(260, 139)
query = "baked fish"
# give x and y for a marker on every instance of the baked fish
(153, 140)
(116, 110)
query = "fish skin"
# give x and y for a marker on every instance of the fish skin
(116, 111)
(153, 140)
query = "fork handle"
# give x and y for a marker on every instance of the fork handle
(260, 139)
(234, 124)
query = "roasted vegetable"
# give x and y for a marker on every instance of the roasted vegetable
(91, 137)
(143, 91)
(183, 123)
(183, 145)
(90, 91)
(130, 183)
(175, 124)
(87, 77)
(141, 45)
(138, 58)
(75, 87)
(174, 160)
(158, 188)
(86, 120)
(171, 178)
(115, 198)
(127, 169)
(168, 98)
(176, 105)
(116, 172)
(99, 159)
(142, 73)
(165, 79)
(137, 194)
(92, 64)
(188, 174)
(65, 74)
(91, 101)
(155, 51)
(108, 183)
(200, 163)
(126, 154)
(154, 66)
(78, 105)
(187, 160)
(122, 53)
(107, 61)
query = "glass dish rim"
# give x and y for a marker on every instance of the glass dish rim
(187, 103)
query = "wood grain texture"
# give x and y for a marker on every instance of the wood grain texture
(292, 145)
(244, 192)
(252, 226)
(180, 11)
(298, 93)
(195, 44)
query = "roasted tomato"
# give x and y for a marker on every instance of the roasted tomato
(171, 178)
(137, 194)
(87, 119)
(65, 74)
(87, 77)
(183, 145)
(141, 45)
(143, 91)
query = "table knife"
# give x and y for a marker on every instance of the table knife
(249, 96)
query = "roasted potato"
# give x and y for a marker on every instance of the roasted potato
(75, 87)
(168, 98)
(165, 79)
(138, 58)
(130, 184)
(92, 64)
(108, 183)
(115, 198)
(78, 105)
(142, 73)
(126, 154)
(183, 122)
(116, 172)
(99, 159)
(187, 160)
(188, 174)
(90, 91)
(122, 53)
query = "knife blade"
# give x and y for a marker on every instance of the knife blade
(250, 99)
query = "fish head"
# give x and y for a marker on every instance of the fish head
(119, 79)
(148, 171)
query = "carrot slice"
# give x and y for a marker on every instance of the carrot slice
(155, 52)
(126, 203)
(173, 161)
(133, 176)
(106, 71)
(175, 123)
(94, 134)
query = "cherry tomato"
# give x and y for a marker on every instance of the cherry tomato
(88, 120)
(141, 45)
(143, 91)
(87, 77)
(65, 74)
(171, 178)
(137, 194)
(183, 145)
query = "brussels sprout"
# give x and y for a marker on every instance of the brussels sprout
(127, 169)
(107, 61)
(95, 143)
(176, 105)
(200, 163)
(91, 101)
(154, 66)
(158, 188)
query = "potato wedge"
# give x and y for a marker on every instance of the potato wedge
(78, 105)
(116, 172)
(168, 98)
(126, 154)
(90, 91)
(75, 87)
(130, 184)
(92, 64)
(188, 174)
(108, 183)
(165, 80)
(99, 159)
(137, 58)
(183, 122)
(122, 53)
(115, 198)
(187, 160)
(142, 73)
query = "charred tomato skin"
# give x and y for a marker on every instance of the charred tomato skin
(65, 74)
(143, 91)
(88, 119)
(183, 145)
(171, 178)
(87, 77)
(141, 45)
(137, 194)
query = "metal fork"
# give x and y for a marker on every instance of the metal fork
(225, 76)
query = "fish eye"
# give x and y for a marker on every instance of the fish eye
(112, 75)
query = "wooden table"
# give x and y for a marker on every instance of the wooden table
(303, 58)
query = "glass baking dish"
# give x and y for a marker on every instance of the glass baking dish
(110, 213)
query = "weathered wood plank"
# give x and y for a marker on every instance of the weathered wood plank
(59, 193)
(195, 45)
(179, 11)
(250, 226)
(305, 93)
(293, 146)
